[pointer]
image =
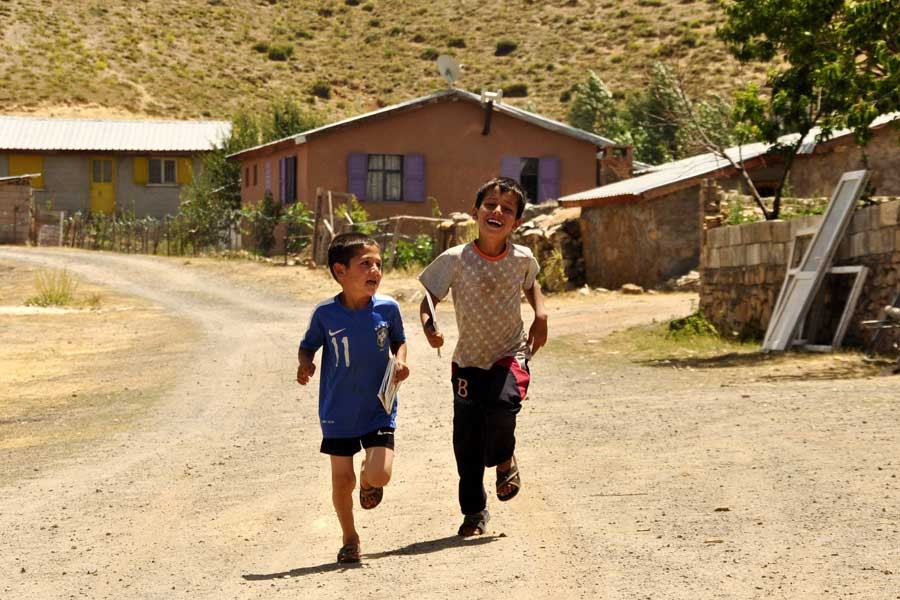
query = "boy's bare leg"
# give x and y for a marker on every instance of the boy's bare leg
(343, 482)
(377, 467)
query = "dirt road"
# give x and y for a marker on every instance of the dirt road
(666, 479)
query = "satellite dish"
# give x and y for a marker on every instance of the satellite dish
(448, 68)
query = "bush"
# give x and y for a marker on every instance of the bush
(505, 47)
(410, 254)
(298, 220)
(321, 89)
(262, 47)
(515, 90)
(430, 54)
(693, 325)
(280, 51)
(456, 42)
(261, 219)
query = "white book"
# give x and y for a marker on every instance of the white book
(387, 393)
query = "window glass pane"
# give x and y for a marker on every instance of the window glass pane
(394, 186)
(96, 175)
(375, 186)
(376, 161)
(107, 171)
(170, 171)
(155, 171)
(392, 162)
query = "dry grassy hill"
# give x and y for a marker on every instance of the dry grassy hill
(207, 58)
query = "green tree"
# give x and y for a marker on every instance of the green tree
(833, 63)
(594, 109)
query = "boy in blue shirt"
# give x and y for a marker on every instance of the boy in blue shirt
(356, 330)
(490, 373)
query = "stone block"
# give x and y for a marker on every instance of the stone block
(862, 220)
(804, 223)
(888, 214)
(733, 235)
(858, 244)
(758, 232)
(717, 237)
(754, 254)
(881, 241)
(738, 256)
(781, 231)
(777, 254)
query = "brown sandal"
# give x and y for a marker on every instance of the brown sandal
(509, 478)
(474, 524)
(349, 553)
(371, 497)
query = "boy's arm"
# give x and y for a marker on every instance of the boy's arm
(435, 338)
(537, 335)
(306, 367)
(401, 370)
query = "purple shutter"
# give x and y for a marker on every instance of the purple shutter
(357, 174)
(282, 180)
(511, 166)
(414, 178)
(548, 178)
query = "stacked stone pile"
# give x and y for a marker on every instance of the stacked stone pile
(555, 238)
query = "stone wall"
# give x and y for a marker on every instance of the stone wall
(742, 269)
(646, 242)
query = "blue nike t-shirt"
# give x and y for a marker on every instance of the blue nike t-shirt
(355, 348)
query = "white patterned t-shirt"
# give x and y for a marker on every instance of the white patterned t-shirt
(486, 294)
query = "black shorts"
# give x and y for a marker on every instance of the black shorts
(502, 386)
(381, 437)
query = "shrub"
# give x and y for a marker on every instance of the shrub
(374, 22)
(418, 38)
(54, 288)
(261, 219)
(693, 325)
(515, 90)
(456, 42)
(505, 47)
(430, 54)
(298, 220)
(280, 51)
(262, 47)
(321, 89)
(409, 254)
(352, 2)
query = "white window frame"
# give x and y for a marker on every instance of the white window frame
(162, 171)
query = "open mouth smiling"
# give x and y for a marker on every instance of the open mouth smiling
(494, 222)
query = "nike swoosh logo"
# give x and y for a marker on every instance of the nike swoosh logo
(330, 332)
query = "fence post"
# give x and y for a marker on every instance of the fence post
(62, 220)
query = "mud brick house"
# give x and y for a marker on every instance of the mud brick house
(442, 146)
(107, 166)
(648, 229)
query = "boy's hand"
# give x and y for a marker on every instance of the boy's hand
(401, 370)
(435, 338)
(537, 335)
(305, 370)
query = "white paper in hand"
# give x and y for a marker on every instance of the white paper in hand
(387, 393)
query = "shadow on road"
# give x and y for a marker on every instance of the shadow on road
(427, 547)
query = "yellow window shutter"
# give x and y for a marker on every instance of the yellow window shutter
(26, 164)
(141, 170)
(185, 170)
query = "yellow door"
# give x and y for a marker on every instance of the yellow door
(103, 185)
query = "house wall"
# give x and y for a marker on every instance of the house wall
(645, 242)
(743, 267)
(457, 157)
(67, 185)
(818, 174)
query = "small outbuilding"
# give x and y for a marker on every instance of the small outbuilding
(106, 166)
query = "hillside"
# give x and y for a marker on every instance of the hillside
(207, 58)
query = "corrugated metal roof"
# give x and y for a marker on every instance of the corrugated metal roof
(19, 177)
(667, 174)
(686, 169)
(512, 111)
(39, 133)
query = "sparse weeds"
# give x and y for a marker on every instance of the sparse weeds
(56, 287)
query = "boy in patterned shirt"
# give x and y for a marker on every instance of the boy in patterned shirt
(490, 373)
(356, 329)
